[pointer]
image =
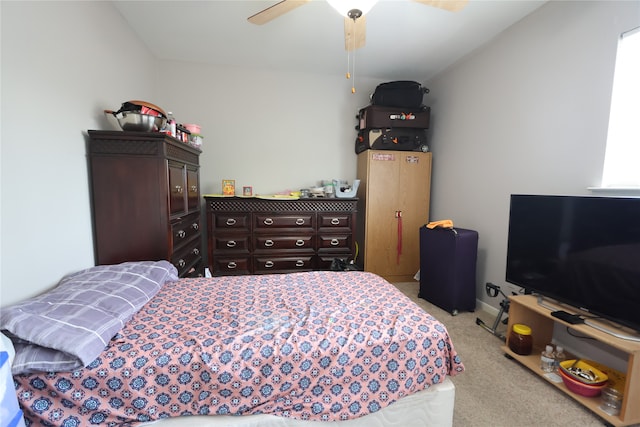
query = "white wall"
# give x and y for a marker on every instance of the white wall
(271, 130)
(63, 63)
(528, 113)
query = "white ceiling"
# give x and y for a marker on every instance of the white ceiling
(405, 40)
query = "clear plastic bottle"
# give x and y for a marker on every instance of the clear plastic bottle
(171, 122)
(548, 360)
(559, 356)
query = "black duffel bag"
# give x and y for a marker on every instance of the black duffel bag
(401, 93)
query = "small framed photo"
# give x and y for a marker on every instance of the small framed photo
(247, 191)
(228, 187)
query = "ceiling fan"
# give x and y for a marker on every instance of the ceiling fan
(354, 21)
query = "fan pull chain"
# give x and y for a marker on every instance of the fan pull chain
(348, 74)
(353, 62)
(353, 68)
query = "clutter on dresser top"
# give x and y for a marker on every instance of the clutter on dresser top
(143, 116)
(323, 189)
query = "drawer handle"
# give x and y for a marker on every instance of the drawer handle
(195, 226)
(195, 251)
(181, 263)
(269, 264)
(231, 221)
(178, 189)
(299, 242)
(268, 243)
(231, 265)
(300, 221)
(231, 244)
(335, 242)
(268, 221)
(181, 234)
(299, 263)
(335, 221)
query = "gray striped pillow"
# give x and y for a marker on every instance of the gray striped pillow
(69, 326)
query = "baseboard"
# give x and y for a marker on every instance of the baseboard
(487, 307)
(480, 305)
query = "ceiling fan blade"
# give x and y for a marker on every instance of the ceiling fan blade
(355, 33)
(274, 11)
(450, 5)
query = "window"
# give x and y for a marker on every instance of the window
(623, 140)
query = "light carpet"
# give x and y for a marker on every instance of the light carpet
(494, 390)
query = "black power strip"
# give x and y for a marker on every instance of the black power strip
(574, 319)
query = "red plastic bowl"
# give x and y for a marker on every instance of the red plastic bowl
(600, 377)
(579, 387)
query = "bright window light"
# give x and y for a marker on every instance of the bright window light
(622, 154)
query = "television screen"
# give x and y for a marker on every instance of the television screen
(580, 250)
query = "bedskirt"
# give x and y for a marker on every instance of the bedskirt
(430, 407)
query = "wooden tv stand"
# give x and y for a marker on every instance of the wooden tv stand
(525, 309)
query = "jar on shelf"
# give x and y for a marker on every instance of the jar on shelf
(520, 339)
(611, 401)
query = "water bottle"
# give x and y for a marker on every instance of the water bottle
(172, 124)
(560, 356)
(548, 360)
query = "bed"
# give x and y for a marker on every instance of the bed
(285, 349)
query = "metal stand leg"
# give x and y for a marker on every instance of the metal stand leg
(493, 291)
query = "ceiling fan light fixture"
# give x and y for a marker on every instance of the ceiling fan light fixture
(354, 14)
(348, 8)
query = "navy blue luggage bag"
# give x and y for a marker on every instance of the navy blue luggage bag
(448, 268)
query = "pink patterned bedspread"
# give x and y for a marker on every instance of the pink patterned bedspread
(311, 346)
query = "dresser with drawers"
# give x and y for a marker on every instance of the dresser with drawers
(145, 199)
(259, 236)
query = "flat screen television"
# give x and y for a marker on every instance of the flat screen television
(580, 250)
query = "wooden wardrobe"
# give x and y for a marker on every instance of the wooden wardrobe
(393, 202)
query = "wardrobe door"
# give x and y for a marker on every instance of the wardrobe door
(413, 202)
(394, 204)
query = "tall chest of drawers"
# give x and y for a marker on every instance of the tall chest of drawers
(145, 199)
(258, 236)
